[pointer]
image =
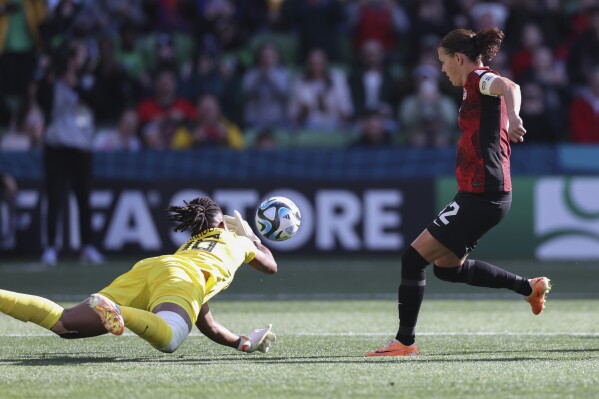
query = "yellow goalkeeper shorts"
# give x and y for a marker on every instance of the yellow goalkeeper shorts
(154, 281)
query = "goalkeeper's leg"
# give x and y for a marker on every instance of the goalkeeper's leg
(165, 328)
(76, 322)
(30, 308)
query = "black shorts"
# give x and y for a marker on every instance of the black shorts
(467, 218)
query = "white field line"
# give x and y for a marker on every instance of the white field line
(377, 334)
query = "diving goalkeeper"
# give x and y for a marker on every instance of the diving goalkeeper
(161, 298)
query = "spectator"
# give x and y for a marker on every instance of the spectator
(123, 138)
(164, 112)
(210, 129)
(115, 90)
(489, 14)
(427, 117)
(8, 221)
(266, 140)
(372, 132)
(214, 73)
(382, 21)
(60, 24)
(73, 20)
(203, 75)
(265, 90)
(584, 112)
(109, 16)
(19, 43)
(521, 60)
(320, 97)
(460, 15)
(546, 14)
(67, 150)
(372, 85)
(165, 53)
(584, 52)
(130, 57)
(426, 66)
(429, 18)
(534, 111)
(551, 75)
(170, 15)
(316, 23)
(29, 126)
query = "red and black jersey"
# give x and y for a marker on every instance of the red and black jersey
(483, 154)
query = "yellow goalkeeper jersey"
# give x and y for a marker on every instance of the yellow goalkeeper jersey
(217, 253)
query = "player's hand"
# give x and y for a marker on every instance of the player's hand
(258, 340)
(239, 226)
(516, 130)
(230, 222)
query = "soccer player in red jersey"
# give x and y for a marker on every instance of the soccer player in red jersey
(488, 119)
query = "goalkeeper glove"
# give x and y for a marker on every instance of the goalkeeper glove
(258, 340)
(237, 225)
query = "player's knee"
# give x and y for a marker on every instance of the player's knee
(451, 274)
(179, 329)
(411, 259)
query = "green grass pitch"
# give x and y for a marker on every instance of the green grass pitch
(473, 347)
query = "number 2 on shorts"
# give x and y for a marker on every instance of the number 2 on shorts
(450, 210)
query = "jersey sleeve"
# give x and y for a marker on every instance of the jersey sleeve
(249, 248)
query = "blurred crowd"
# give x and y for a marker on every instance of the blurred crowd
(102, 75)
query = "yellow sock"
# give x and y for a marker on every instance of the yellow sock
(148, 326)
(35, 309)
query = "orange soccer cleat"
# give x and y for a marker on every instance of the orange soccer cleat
(109, 313)
(396, 348)
(540, 287)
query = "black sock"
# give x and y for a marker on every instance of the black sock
(483, 274)
(410, 294)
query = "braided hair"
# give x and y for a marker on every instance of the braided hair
(481, 46)
(197, 215)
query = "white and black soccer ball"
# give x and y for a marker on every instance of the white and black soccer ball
(278, 218)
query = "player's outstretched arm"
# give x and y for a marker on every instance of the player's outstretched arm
(258, 340)
(214, 330)
(264, 261)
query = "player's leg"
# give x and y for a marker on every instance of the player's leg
(479, 274)
(79, 322)
(156, 300)
(82, 173)
(76, 322)
(56, 187)
(30, 308)
(165, 328)
(413, 282)
(411, 293)
(474, 217)
(482, 274)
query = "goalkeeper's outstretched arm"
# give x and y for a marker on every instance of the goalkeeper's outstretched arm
(214, 330)
(258, 340)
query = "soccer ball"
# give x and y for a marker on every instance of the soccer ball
(278, 218)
